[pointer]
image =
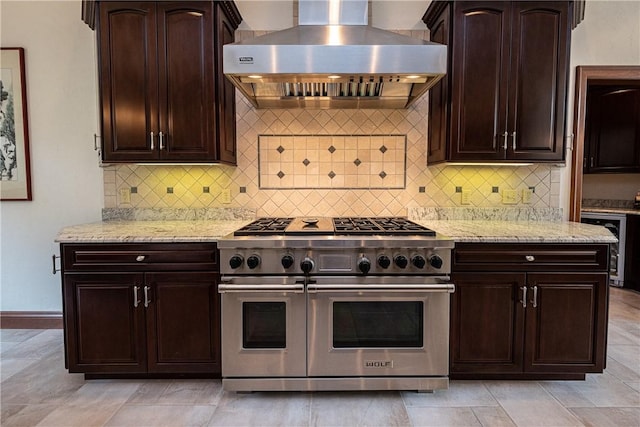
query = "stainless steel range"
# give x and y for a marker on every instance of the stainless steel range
(335, 304)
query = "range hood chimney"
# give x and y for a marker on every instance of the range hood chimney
(333, 59)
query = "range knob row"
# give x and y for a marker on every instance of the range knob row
(417, 261)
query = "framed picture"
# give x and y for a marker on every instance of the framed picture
(15, 173)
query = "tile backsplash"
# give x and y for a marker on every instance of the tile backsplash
(358, 162)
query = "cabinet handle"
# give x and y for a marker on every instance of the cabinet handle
(530, 258)
(146, 297)
(591, 162)
(161, 137)
(53, 259)
(506, 135)
(151, 135)
(140, 258)
(523, 301)
(513, 140)
(136, 300)
(534, 300)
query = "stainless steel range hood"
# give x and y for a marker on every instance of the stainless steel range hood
(333, 59)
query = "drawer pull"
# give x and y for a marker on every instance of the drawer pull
(523, 301)
(53, 259)
(530, 258)
(140, 258)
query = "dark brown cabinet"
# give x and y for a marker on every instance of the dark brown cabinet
(504, 95)
(164, 97)
(612, 129)
(141, 309)
(528, 311)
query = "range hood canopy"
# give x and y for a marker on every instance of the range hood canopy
(320, 64)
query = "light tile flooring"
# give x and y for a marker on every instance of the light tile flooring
(37, 390)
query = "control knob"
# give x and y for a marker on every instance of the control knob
(364, 265)
(307, 265)
(401, 261)
(418, 261)
(287, 261)
(236, 261)
(253, 261)
(384, 261)
(435, 261)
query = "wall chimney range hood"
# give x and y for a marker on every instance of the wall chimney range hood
(333, 59)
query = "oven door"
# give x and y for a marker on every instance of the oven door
(263, 327)
(378, 326)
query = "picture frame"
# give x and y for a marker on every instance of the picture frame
(15, 165)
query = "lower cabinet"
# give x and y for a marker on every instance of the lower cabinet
(141, 322)
(516, 314)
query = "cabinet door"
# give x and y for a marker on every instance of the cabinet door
(487, 323)
(128, 80)
(183, 321)
(185, 70)
(566, 322)
(104, 330)
(613, 129)
(479, 80)
(540, 40)
(226, 92)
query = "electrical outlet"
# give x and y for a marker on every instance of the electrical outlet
(464, 197)
(509, 197)
(125, 195)
(526, 195)
(225, 196)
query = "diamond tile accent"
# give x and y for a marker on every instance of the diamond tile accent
(332, 174)
(306, 162)
(332, 149)
(280, 174)
(357, 162)
(382, 175)
(280, 149)
(383, 149)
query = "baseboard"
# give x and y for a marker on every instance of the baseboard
(30, 320)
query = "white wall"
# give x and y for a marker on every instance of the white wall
(66, 180)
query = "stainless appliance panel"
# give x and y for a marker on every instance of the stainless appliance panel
(427, 357)
(617, 225)
(255, 312)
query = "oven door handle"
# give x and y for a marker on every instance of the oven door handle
(440, 287)
(229, 288)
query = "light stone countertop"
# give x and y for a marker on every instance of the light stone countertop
(520, 231)
(612, 210)
(458, 230)
(149, 231)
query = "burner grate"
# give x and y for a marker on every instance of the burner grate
(264, 227)
(379, 225)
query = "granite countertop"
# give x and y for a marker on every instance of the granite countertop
(149, 231)
(520, 231)
(611, 210)
(212, 230)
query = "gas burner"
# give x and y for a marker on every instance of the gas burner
(264, 227)
(379, 225)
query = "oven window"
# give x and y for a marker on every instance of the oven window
(264, 325)
(378, 324)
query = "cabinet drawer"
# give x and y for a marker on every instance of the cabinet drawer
(531, 257)
(140, 257)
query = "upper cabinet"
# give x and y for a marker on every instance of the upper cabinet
(163, 94)
(612, 129)
(504, 95)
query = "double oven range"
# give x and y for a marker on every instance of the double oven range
(335, 304)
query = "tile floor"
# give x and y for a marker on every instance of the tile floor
(37, 390)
